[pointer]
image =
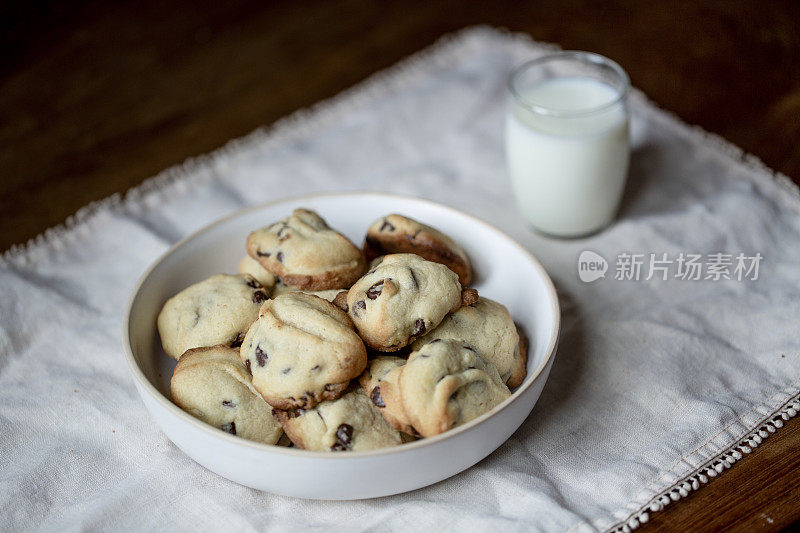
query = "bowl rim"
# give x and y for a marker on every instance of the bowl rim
(145, 385)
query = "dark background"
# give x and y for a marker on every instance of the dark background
(97, 96)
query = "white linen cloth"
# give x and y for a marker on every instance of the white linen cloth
(653, 382)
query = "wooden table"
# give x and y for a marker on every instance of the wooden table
(97, 97)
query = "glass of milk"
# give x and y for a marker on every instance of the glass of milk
(567, 145)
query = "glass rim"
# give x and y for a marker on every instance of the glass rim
(585, 57)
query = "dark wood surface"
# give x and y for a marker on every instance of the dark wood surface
(96, 97)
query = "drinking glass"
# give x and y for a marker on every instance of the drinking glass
(567, 141)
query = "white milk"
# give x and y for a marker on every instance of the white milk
(568, 171)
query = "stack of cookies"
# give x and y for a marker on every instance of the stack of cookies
(341, 348)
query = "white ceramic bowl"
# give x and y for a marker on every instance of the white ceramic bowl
(504, 272)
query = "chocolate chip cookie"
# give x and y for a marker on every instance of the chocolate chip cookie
(306, 253)
(488, 327)
(379, 382)
(447, 383)
(401, 298)
(213, 385)
(215, 311)
(250, 266)
(394, 234)
(302, 350)
(347, 423)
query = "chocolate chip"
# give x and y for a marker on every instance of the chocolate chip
(315, 368)
(294, 413)
(386, 226)
(230, 428)
(341, 301)
(469, 296)
(376, 397)
(238, 340)
(419, 327)
(259, 296)
(338, 448)
(375, 291)
(247, 365)
(286, 370)
(282, 233)
(228, 403)
(279, 257)
(329, 387)
(344, 434)
(261, 356)
(259, 253)
(252, 282)
(361, 304)
(413, 278)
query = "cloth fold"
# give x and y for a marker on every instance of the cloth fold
(656, 384)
